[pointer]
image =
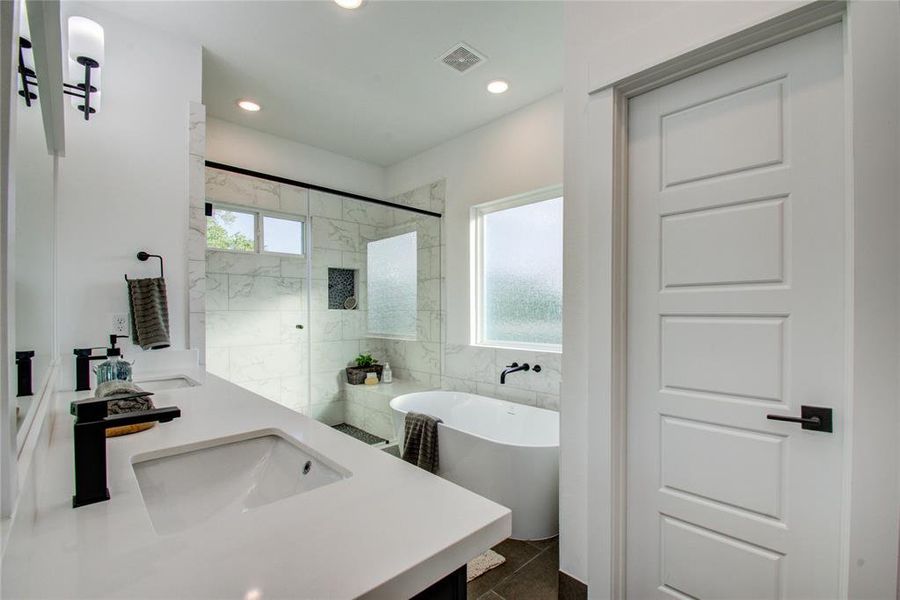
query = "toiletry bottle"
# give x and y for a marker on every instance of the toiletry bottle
(386, 375)
(371, 378)
(114, 367)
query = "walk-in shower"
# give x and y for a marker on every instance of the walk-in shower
(301, 280)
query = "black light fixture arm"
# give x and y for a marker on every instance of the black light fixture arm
(26, 75)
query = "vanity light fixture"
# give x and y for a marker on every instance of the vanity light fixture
(349, 4)
(85, 58)
(86, 44)
(249, 105)
(498, 86)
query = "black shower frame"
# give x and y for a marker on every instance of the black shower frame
(317, 188)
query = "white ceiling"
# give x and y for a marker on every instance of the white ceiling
(366, 83)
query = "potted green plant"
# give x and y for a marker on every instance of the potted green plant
(364, 364)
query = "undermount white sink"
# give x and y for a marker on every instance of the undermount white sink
(166, 383)
(185, 486)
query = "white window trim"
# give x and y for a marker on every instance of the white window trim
(476, 267)
(284, 217)
(258, 241)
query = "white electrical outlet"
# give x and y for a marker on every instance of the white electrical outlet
(118, 323)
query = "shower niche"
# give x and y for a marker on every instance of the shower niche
(342, 289)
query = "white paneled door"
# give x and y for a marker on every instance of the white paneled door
(737, 309)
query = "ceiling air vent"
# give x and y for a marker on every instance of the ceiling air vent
(462, 57)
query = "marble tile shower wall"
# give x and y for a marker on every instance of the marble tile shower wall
(476, 370)
(255, 301)
(252, 310)
(341, 228)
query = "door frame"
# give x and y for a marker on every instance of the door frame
(870, 524)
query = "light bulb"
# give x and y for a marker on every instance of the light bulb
(497, 86)
(249, 105)
(85, 39)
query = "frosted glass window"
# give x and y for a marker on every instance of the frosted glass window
(521, 275)
(229, 229)
(282, 235)
(392, 286)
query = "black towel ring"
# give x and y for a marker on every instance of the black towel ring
(143, 256)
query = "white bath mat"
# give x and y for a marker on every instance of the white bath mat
(483, 563)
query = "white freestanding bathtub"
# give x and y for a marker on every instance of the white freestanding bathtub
(503, 451)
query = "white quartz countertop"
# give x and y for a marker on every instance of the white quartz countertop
(388, 531)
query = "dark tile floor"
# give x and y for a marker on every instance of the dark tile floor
(530, 572)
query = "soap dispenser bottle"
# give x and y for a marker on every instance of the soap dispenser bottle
(114, 367)
(386, 375)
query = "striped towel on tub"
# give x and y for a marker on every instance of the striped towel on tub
(420, 441)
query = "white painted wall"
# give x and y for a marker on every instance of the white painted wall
(244, 147)
(606, 41)
(123, 186)
(518, 153)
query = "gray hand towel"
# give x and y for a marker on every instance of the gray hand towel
(420, 441)
(149, 313)
(116, 387)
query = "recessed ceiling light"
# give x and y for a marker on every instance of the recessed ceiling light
(349, 4)
(497, 86)
(249, 105)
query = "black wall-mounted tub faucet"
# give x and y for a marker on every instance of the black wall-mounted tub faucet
(92, 419)
(516, 367)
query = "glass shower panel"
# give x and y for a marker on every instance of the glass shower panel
(257, 295)
(376, 290)
(320, 281)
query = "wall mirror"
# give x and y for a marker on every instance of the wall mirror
(33, 244)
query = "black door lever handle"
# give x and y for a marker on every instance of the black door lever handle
(813, 418)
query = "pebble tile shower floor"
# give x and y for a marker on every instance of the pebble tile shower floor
(360, 434)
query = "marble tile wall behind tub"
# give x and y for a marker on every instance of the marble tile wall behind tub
(477, 370)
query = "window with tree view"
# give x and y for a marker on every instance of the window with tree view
(229, 229)
(519, 256)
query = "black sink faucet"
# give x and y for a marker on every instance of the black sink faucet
(515, 367)
(92, 419)
(83, 358)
